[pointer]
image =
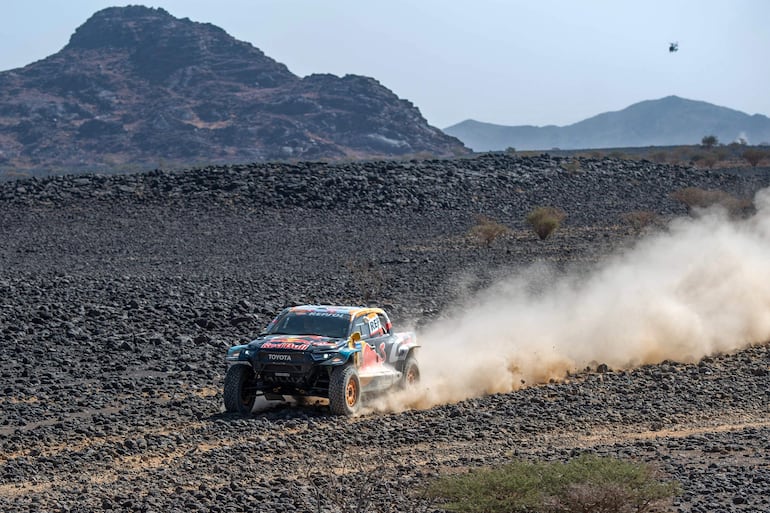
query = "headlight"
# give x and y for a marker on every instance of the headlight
(320, 357)
(235, 352)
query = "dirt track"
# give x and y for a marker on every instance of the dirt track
(115, 315)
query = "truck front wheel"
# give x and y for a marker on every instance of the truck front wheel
(239, 393)
(344, 391)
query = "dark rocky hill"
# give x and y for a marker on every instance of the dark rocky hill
(137, 87)
(665, 122)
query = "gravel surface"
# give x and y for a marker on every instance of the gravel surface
(119, 296)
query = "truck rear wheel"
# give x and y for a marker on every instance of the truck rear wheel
(344, 391)
(239, 389)
(410, 375)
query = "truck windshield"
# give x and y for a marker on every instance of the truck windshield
(312, 323)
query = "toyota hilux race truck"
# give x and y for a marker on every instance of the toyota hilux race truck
(337, 352)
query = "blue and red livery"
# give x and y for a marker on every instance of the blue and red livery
(342, 353)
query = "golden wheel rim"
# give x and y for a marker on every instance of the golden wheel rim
(411, 377)
(351, 393)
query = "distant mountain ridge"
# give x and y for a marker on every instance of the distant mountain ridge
(664, 122)
(137, 86)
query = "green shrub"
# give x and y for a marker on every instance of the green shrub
(695, 197)
(545, 220)
(486, 230)
(722, 154)
(709, 141)
(640, 219)
(587, 484)
(709, 161)
(753, 156)
(572, 166)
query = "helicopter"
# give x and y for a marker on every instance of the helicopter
(673, 47)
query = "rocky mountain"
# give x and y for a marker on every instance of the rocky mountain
(136, 86)
(664, 122)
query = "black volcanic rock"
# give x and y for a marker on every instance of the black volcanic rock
(136, 87)
(120, 294)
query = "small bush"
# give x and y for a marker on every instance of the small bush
(753, 156)
(709, 161)
(545, 220)
(487, 230)
(588, 484)
(640, 219)
(572, 166)
(709, 141)
(695, 197)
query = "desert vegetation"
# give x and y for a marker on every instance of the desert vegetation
(709, 141)
(545, 220)
(638, 220)
(486, 230)
(587, 484)
(572, 165)
(697, 198)
(754, 156)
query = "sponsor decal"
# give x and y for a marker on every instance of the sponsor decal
(374, 325)
(280, 357)
(336, 315)
(294, 346)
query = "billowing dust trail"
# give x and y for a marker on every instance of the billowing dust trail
(702, 286)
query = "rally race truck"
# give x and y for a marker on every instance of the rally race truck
(343, 353)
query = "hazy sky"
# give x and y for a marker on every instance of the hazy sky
(508, 62)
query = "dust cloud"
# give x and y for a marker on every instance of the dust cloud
(701, 286)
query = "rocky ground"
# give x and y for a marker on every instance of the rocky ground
(119, 296)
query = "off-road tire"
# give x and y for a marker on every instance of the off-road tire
(344, 391)
(410, 373)
(238, 399)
